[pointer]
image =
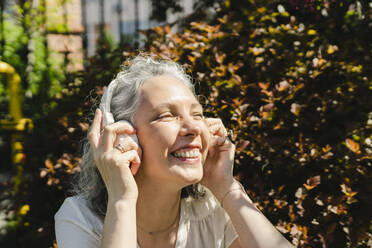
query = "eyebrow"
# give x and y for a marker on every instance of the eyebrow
(167, 104)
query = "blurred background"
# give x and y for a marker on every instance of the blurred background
(292, 78)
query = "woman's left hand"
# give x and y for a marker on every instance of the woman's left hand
(218, 166)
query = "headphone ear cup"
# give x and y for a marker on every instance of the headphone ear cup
(107, 119)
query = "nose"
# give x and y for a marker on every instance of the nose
(190, 127)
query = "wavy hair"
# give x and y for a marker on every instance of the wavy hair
(125, 98)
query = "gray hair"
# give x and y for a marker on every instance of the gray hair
(124, 102)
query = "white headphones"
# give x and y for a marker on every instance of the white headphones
(104, 106)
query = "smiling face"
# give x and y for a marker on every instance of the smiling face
(171, 131)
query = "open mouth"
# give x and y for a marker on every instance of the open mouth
(187, 154)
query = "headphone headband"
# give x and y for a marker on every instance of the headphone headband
(104, 106)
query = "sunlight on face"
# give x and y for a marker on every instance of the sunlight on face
(171, 131)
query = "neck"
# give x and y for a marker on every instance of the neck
(157, 204)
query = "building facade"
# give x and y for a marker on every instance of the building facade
(121, 18)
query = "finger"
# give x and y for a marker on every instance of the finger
(111, 131)
(218, 141)
(216, 122)
(126, 127)
(212, 121)
(95, 128)
(133, 159)
(126, 141)
(124, 158)
(218, 129)
(134, 167)
(221, 140)
(214, 145)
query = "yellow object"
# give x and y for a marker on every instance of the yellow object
(14, 86)
(24, 124)
(16, 124)
(24, 209)
(311, 32)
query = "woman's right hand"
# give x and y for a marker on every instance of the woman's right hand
(116, 167)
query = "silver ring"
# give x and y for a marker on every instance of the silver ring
(120, 148)
(230, 135)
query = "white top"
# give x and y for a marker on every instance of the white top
(203, 223)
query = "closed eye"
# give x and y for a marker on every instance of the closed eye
(198, 116)
(166, 117)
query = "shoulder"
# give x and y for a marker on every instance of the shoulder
(75, 210)
(72, 206)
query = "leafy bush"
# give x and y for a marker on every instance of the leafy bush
(291, 78)
(295, 89)
(53, 150)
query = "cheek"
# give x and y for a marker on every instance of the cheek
(157, 139)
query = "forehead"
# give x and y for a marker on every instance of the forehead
(161, 90)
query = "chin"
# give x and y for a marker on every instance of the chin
(195, 180)
(187, 173)
(192, 177)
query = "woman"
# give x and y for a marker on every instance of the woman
(140, 184)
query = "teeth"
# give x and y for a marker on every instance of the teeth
(187, 153)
